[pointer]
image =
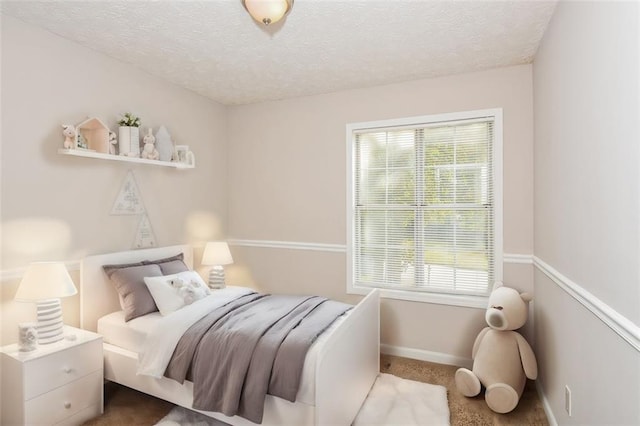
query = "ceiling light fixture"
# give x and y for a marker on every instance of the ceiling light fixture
(267, 11)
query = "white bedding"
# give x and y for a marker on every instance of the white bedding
(163, 338)
(154, 337)
(128, 335)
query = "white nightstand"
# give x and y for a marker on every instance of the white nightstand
(59, 383)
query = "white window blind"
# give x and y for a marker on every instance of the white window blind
(423, 207)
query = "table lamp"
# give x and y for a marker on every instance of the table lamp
(216, 254)
(45, 283)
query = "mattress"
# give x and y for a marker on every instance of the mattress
(131, 336)
(128, 335)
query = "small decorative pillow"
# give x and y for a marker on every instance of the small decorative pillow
(135, 297)
(172, 292)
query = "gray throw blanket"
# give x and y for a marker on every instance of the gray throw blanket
(252, 346)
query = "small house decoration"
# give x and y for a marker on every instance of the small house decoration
(129, 135)
(93, 134)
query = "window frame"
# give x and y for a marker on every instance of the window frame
(474, 301)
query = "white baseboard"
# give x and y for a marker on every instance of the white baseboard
(422, 355)
(545, 404)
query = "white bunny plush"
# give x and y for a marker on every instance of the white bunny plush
(149, 151)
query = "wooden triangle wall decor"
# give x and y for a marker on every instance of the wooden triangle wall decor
(145, 237)
(129, 200)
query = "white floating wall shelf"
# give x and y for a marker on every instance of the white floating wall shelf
(102, 156)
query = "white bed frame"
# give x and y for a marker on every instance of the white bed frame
(346, 367)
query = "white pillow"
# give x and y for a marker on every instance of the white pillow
(172, 292)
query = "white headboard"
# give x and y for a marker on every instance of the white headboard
(98, 296)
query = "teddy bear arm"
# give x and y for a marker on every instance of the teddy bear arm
(527, 357)
(476, 344)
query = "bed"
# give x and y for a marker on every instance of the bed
(339, 370)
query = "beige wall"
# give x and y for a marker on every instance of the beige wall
(587, 215)
(56, 207)
(287, 182)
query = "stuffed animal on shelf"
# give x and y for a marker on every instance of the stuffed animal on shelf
(149, 151)
(502, 358)
(69, 133)
(112, 143)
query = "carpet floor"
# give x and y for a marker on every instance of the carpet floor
(124, 406)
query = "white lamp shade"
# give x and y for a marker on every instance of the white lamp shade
(217, 253)
(45, 280)
(267, 11)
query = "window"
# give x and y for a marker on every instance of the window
(425, 207)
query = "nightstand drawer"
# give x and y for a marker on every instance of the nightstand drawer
(62, 367)
(65, 401)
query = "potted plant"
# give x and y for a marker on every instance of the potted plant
(129, 135)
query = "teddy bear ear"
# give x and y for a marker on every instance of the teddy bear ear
(527, 297)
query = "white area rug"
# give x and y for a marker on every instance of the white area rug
(392, 401)
(395, 401)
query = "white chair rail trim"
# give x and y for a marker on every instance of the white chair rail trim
(290, 245)
(613, 319)
(624, 327)
(525, 259)
(621, 325)
(341, 248)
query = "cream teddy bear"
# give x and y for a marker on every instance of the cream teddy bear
(502, 358)
(69, 133)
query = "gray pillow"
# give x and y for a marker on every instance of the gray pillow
(135, 296)
(173, 267)
(169, 265)
(179, 256)
(110, 269)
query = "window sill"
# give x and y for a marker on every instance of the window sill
(479, 302)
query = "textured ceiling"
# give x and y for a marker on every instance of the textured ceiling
(214, 48)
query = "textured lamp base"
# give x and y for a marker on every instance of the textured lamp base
(50, 326)
(216, 277)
